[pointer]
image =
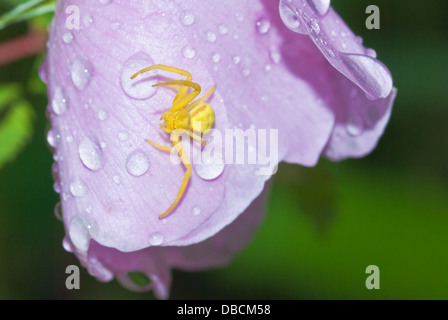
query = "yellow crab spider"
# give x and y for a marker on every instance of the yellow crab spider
(185, 116)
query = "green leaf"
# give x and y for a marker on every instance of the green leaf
(139, 278)
(26, 11)
(16, 128)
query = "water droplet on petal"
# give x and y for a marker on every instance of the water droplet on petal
(370, 74)
(290, 18)
(53, 137)
(156, 239)
(263, 25)
(58, 211)
(222, 29)
(196, 211)
(142, 86)
(79, 234)
(102, 115)
(59, 102)
(189, 52)
(81, 72)
(239, 16)
(117, 179)
(209, 169)
(210, 36)
(319, 6)
(246, 72)
(87, 20)
(78, 188)
(123, 136)
(187, 18)
(67, 245)
(371, 53)
(137, 163)
(91, 154)
(216, 57)
(236, 59)
(67, 37)
(57, 187)
(355, 125)
(314, 27)
(105, 1)
(275, 56)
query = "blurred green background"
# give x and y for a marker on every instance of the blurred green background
(324, 225)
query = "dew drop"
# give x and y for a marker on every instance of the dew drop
(67, 245)
(210, 36)
(216, 57)
(290, 18)
(116, 179)
(321, 7)
(78, 188)
(236, 59)
(58, 211)
(370, 74)
(137, 163)
(57, 187)
(79, 234)
(196, 211)
(355, 125)
(123, 136)
(371, 53)
(91, 154)
(102, 115)
(246, 72)
(239, 16)
(314, 27)
(67, 37)
(263, 25)
(275, 56)
(81, 72)
(187, 18)
(222, 29)
(105, 1)
(208, 169)
(141, 87)
(53, 137)
(156, 239)
(189, 52)
(59, 102)
(87, 20)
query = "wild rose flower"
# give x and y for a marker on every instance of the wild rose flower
(318, 86)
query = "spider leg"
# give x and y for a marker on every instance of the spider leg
(182, 90)
(182, 102)
(180, 149)
(198, 101)
(164, 148)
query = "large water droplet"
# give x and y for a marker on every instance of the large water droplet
(369, 74)
(187, 18)
(137, 163)
(209, 169)
(263, 25)
(290, 18)
(142, 86)
(156, 239)
(81, 73)
(91, 154)
(59, 102)
(78, 188)
(79, 234)
(319, 6)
